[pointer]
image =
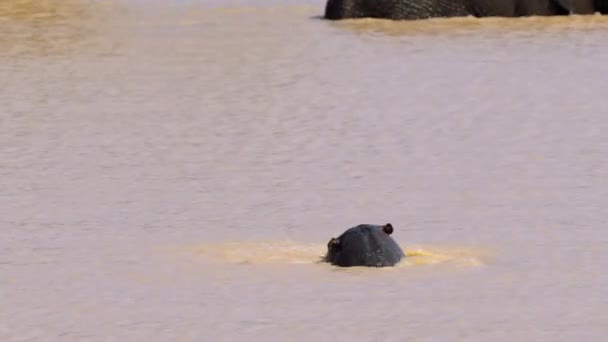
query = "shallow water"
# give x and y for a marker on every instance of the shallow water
(174, 170)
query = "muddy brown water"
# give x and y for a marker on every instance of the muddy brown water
(172, 171)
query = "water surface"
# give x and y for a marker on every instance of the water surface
(172, 171)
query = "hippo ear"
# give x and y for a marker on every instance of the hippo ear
(333, 244)
(388, 228)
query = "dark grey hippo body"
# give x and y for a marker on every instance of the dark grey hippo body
(421, 9)
(364, 245)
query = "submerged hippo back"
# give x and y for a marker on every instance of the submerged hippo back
(365, 245)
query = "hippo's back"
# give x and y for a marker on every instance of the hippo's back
(366, 245)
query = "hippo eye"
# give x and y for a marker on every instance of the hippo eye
(388, 229)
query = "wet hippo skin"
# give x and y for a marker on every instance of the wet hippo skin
(365, 245)
(423, 9)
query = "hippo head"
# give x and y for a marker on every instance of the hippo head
(364, 245)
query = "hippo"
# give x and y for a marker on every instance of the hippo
(423, 9)
(364, 245)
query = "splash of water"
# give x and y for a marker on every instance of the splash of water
(441, 255)
(287, 252)
(471, 25)
(261, 252)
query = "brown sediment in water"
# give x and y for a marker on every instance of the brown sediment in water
(48, 27)
(255, 126)
(286, 252)
(471, 25)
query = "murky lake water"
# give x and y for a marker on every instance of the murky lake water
(173, 172)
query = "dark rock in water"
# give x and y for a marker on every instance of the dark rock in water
(364, 245)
